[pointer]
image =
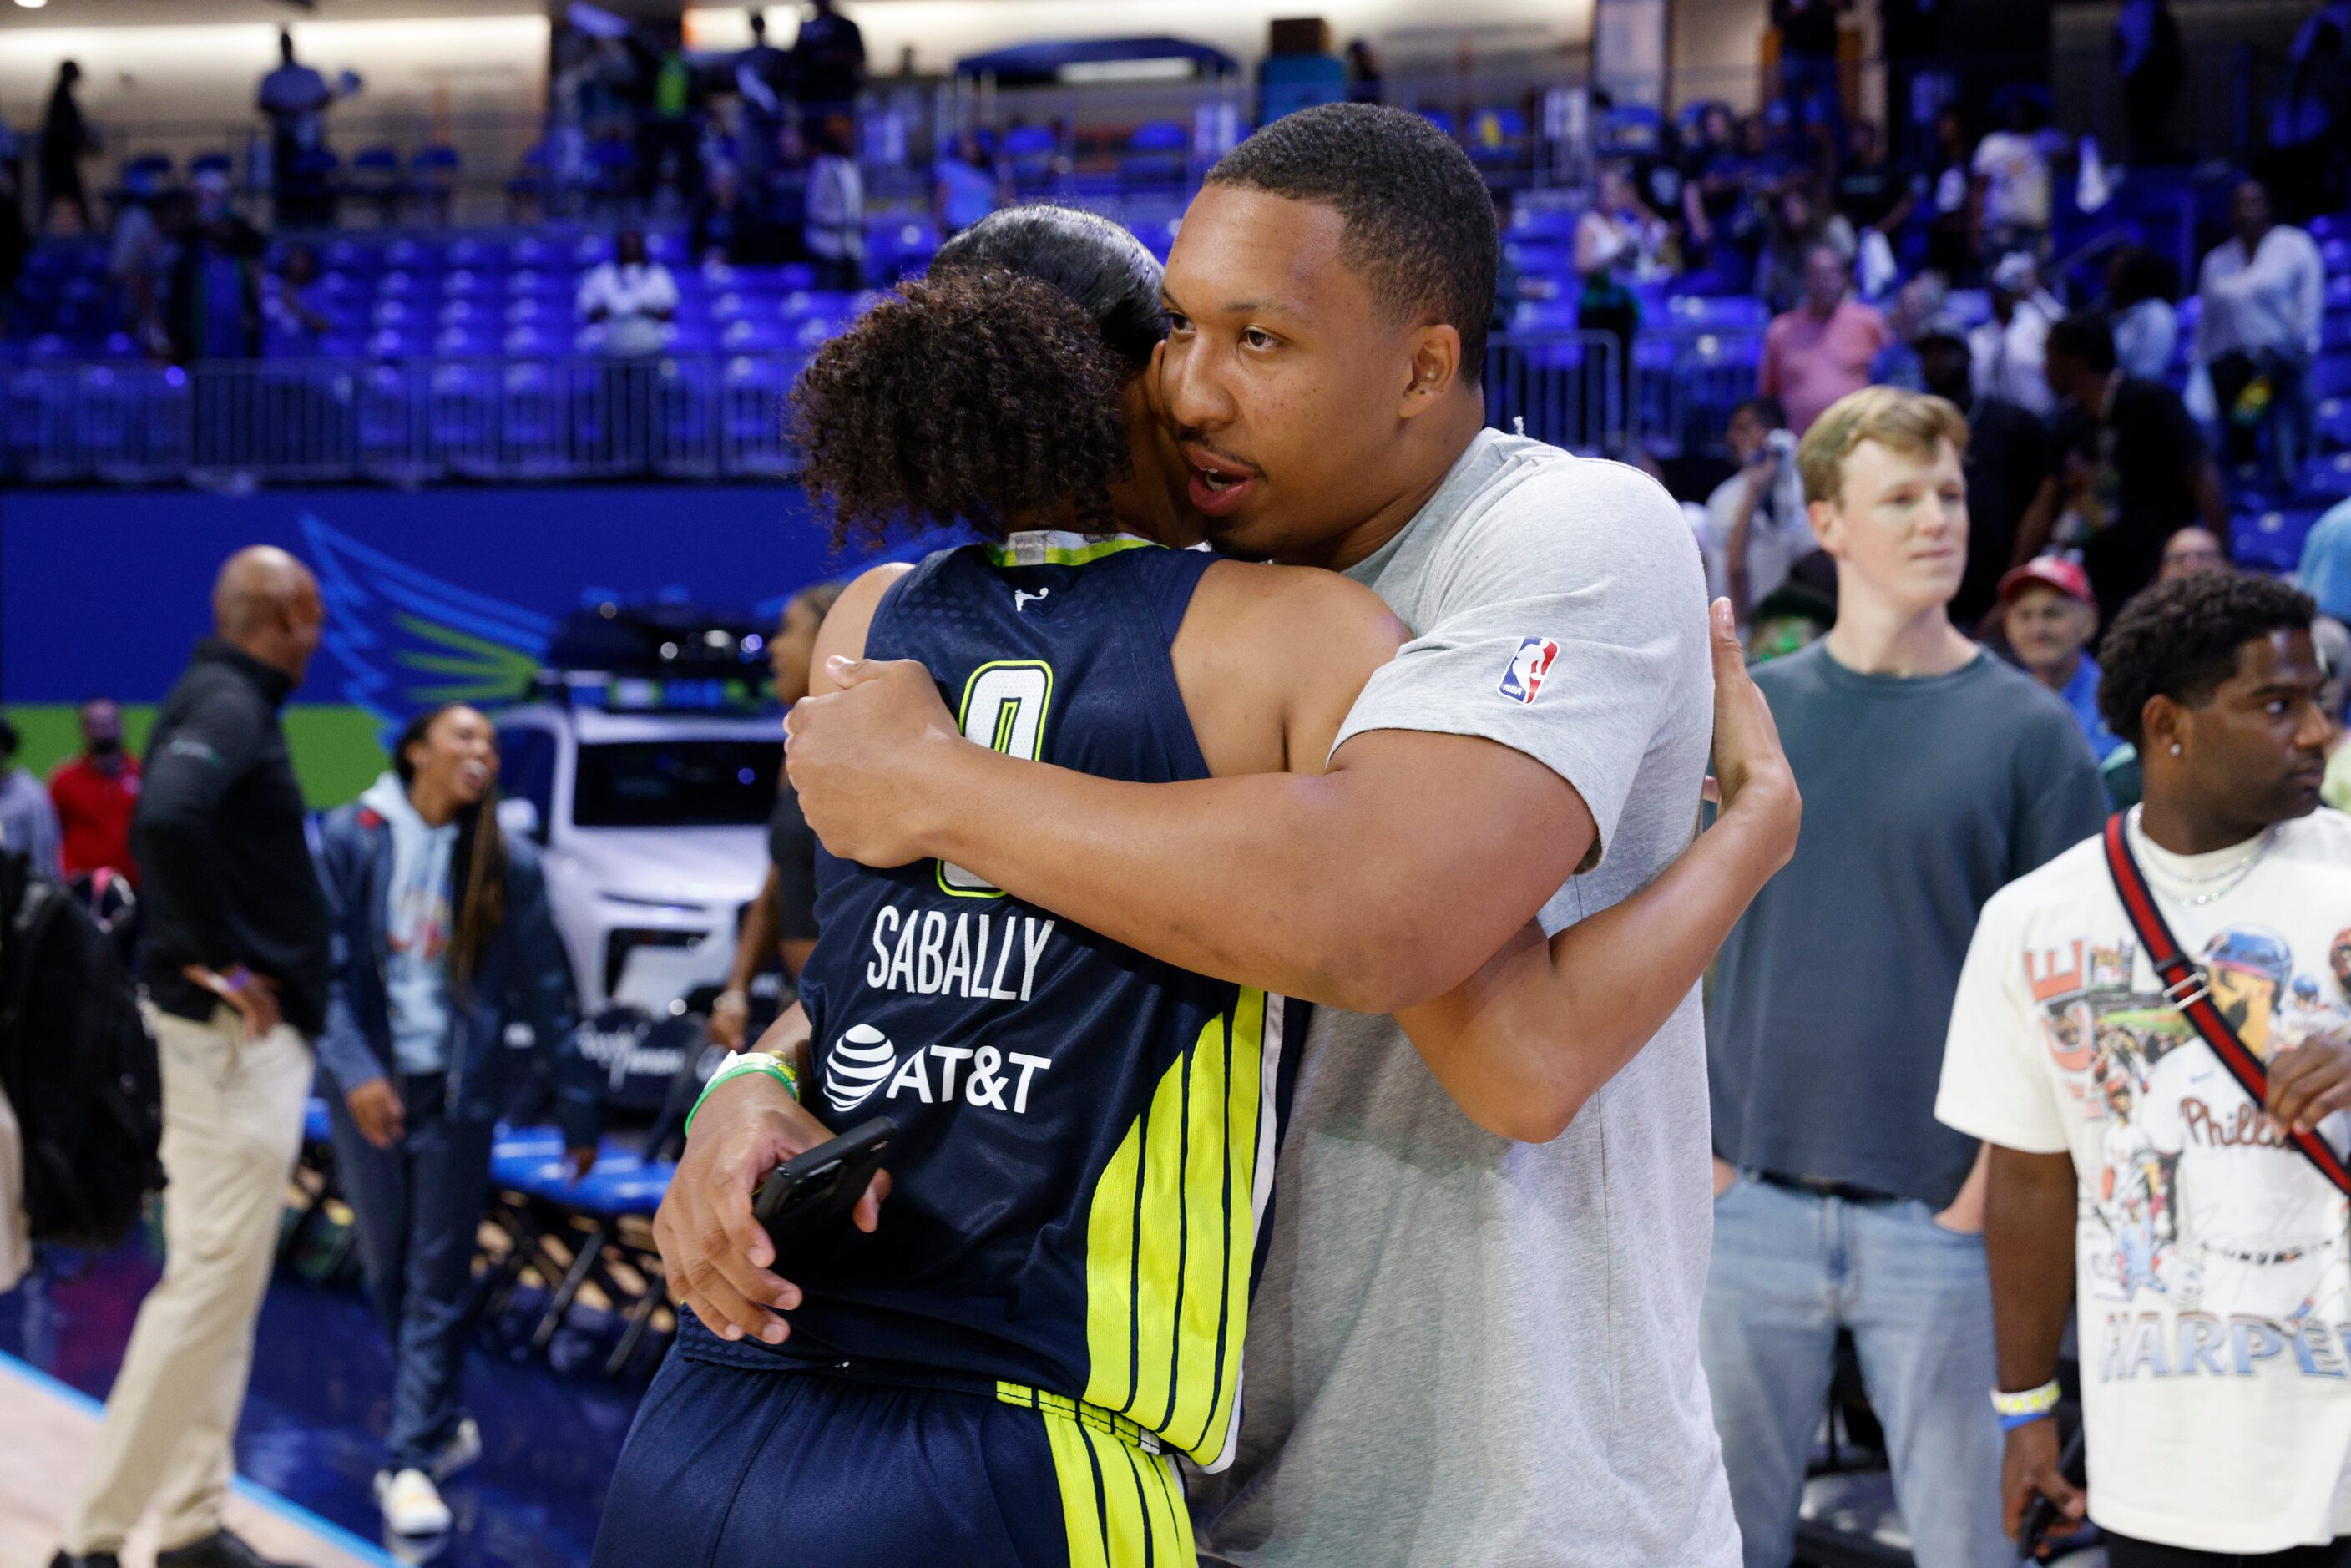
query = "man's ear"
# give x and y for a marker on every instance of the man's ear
(1435, 366)
(2163, 722)
(1827, 524)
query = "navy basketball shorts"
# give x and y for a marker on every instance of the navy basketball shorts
(731, 1466)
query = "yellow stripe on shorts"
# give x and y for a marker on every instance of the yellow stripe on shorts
(1122, 1505)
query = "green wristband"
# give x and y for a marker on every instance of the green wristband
(736, 1066)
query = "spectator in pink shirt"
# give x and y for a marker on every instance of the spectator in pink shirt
(1821, 351)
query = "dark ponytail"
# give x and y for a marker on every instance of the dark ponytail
(477, 866)
(974, 397)
(1101, 268)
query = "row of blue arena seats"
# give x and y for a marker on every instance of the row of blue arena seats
(685, 414)
(696, 409)
(555, 1253)
(359, 340)
(392, 339)
(434, 161)
(2267, 532)
(497, 252)
(407, 422)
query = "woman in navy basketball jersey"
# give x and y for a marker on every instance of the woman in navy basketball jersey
(1003, 1370)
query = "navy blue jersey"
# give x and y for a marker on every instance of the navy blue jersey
(1087, 1135)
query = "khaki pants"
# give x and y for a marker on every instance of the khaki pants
(232, 1126)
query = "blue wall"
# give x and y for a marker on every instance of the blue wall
(103, 591)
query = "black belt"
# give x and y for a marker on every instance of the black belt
(1817, 1187)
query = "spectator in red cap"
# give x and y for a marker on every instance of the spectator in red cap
(2049, 615)
(95, 794)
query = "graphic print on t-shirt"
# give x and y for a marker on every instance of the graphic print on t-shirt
(2201, 1201)
(418, 923)
(2213, 1275)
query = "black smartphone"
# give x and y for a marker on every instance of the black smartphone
(811, 1193)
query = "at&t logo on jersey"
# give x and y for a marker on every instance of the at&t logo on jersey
(864, 1065)
(1527, 667)
(860, 1061)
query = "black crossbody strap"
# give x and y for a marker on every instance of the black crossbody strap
(2185, 988)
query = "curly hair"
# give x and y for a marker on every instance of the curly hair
(1419, 222)
(2179, 639)
(975, 396)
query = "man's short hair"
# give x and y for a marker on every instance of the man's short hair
(2085, 337)
(9, 740)
(1764, 406)
(2179, 639)
(1419, 225)
(1913, 423)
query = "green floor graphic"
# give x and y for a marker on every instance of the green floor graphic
(336, 752)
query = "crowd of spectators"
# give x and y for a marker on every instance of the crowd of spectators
(2105, 438)
(754, 153)
(2101, 433)
(1738, 202)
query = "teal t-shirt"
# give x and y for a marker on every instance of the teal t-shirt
(1922, 799)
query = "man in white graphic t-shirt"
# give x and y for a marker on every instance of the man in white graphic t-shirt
(2213, 1280)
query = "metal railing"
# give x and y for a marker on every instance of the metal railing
(681, 416)
(1566, 388)
(400, 421)
(1686, 384)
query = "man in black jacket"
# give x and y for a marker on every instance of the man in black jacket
(234, 962)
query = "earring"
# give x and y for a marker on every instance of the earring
(2174, 748)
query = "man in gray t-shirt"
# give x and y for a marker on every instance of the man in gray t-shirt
(1464, 1349)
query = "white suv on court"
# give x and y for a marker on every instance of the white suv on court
(653, 826)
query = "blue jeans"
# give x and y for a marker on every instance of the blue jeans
(1791, 1268)
(419, 1206)
(2284, 428)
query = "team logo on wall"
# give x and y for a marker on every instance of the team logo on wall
(1527, 667)
(855, 1067)
(407, 640)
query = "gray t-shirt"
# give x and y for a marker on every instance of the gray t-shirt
(1922, 799)
(1466, 1351)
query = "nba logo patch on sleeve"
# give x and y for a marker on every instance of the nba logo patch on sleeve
(1529, 665)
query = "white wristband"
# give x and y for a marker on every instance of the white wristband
(2029, 1405)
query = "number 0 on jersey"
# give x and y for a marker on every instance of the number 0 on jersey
(1004, 707)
